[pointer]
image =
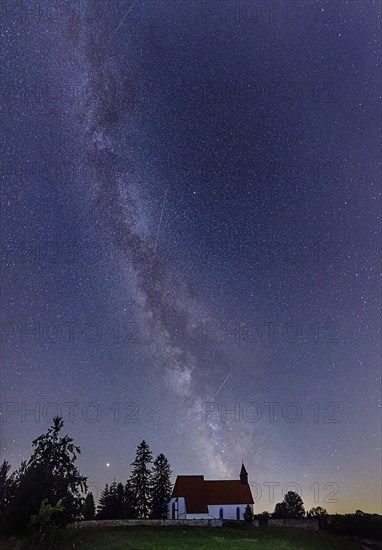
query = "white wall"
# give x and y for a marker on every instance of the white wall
(180, 508)
(229, 510)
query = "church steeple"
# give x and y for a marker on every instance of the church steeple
(243, 475)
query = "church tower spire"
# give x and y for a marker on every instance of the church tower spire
(243, 475)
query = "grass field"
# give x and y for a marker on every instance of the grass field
(179, 538)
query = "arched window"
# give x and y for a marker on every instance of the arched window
(173, 511)
(237, 513)
(221, 513)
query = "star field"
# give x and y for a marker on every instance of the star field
(191, 239)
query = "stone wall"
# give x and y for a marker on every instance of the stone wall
(148, 522)
(304, 523)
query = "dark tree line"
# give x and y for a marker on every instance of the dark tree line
(48, 489)
(292, 507)
(50, 475)
(359, 524)
(145, 494)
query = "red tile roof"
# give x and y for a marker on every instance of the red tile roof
(200, 493)
(193, 489)
(228, 492)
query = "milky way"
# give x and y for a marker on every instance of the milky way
(192, 188)
(163, 310)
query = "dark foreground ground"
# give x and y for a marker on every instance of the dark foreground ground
(178, 538)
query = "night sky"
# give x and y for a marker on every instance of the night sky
(190, 239)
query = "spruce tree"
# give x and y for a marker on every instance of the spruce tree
(127, 510)
(248, 514)
(113, 503)
(160, 487)
(119, 499)
(110, 501)
(103, 505)
(140, 480)
(116, 502)
(89, 507)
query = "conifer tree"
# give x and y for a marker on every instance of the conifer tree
(160, 487)
(127, 510)
(248, 514)
(110, 501)
(116, 502)
(102, 509)
(89, 507)
(140, 481)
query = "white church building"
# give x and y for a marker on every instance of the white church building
(193, 497)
